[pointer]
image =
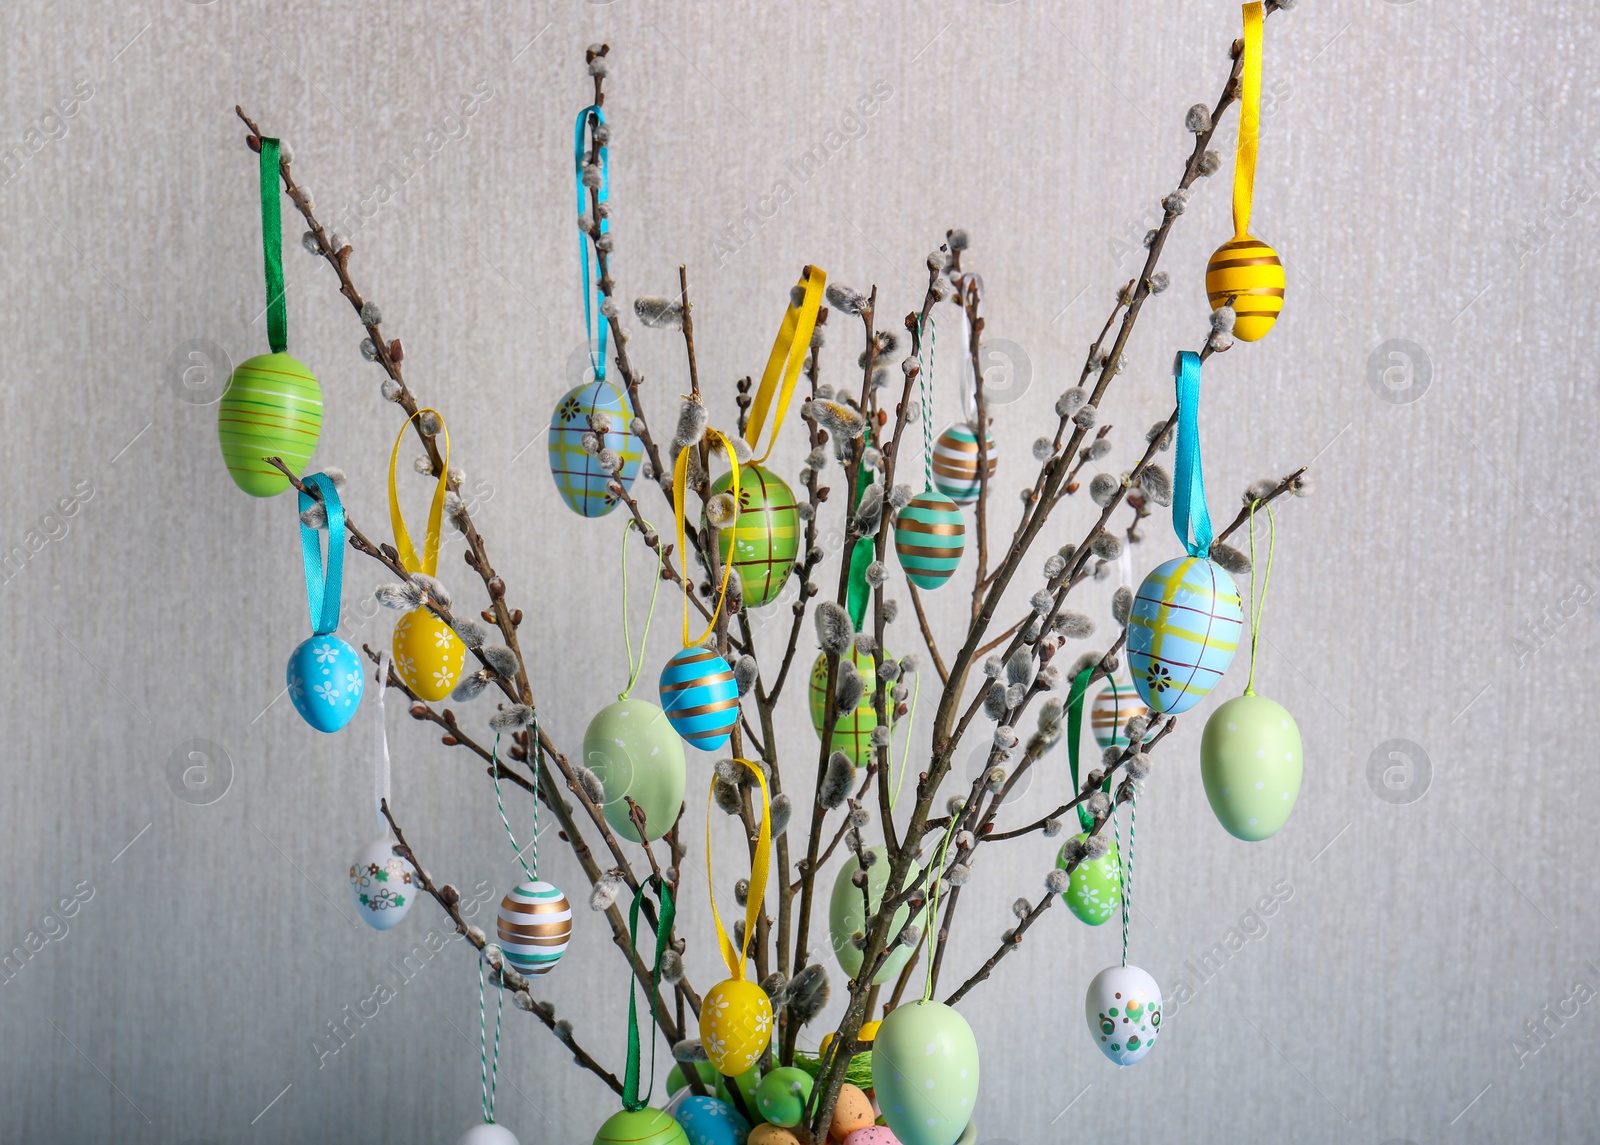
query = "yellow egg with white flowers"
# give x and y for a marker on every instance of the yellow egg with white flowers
(735, 1025)
(428, 655)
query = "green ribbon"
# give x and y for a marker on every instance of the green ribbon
(631, 1101)
(857, 592)
(1080, 685)
(272, 247)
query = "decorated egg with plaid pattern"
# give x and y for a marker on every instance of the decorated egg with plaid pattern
(1182, 632)
(578, 475)
(382, 884)
(852, 732)
(764, 539)
(735, 1025)
(428, 655)
(1123, 1007)
(325, 682)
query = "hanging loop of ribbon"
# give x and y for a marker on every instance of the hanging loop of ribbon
(631, 1099)
(595, 327)
(428, 563)
(272, 247)
(1080, 685)
(1190, 516)
(1244, 163)
(324, 581)
(968, 287)
(733, 956)
(635, 665)
(929, 338)
(1259, 603)
(491, 1074)
(789, 351)
(929, 921)
(680, 498)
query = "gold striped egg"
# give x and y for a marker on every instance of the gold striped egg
(428, 654)
(271, 408)
(1112, 709)
(955, 462)
(1246, 274)
(534, 926)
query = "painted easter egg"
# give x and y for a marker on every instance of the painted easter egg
(765, 537)
(1123, 1008)
(925, 1073)
(845, 915)
(744, 1085)
(578, 476)
(852, 1111)
(707, 1121)
(533, 927)
(428, 655)
(676, 1079)
(382, 883)
(929, 537)
(325, 682)
(641, 1127)
(634, 752)
(765, 1134)
(1094, 892)
(700, 697)
(955, 462)
(782, 1096)
(735, 1025)
(1182, 632)
(969, 1135)
(1246, 274)
(488, 1133)
(1109, 714)
(864, 1036)
(852, 731)
(271, 408)
(1250, 762)
(872, 1135)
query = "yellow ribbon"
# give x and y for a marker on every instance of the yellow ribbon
(1244, 164)
(680, 489)
(783, 364)
(758, 877)
(429, 564)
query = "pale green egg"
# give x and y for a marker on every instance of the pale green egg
(633, 751)
(925, 1073)
(1251, 762)
(845, 915)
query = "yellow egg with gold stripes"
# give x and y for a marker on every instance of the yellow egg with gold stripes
(428, 655)
(1247, 275)
(735, 1025)
(764, 539)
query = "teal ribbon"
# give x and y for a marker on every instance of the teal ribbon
(1080, 685)
(1189, 513)
(631, 1101)
(594, 323)
(272, 247)
(857, 592)
(323, 582)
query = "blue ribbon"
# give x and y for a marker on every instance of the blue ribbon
(588, 258)
(323, 585)
(1189, 513)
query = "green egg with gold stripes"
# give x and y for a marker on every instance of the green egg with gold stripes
(929, 538)
(852, 733)
(765, 537)
(645, 1126)
(271, 408)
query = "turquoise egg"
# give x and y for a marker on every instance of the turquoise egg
(633, 751)
(700, 698)
(925, 1073)
(707, 1121)
(325, 682)
(578, 476)
(929, 538)
(1182, 632)
(1251, 762)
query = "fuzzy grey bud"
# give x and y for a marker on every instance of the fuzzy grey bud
(1057, 881)
(1210, 163)
(1073, 625)
(512, 719)
(1198, 119)
(744, 672)
(1106, 546)
(399, 596)
(837, 781)
(593, 789)
(603, 895)
(994, 701)
(691, 424)
(844, 299)
(501, 659)
(1231, 559)
(782, 809)
(659, 312)
(1052, 828)
(848, 688)
(834, 631)
(470, 687)
(1071, 402)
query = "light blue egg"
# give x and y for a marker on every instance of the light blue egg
(578, 476)
(325, 682)
(1183, 630)
(707, 1121)
(700, 697)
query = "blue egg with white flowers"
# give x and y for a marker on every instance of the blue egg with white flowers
(325, 682)
(707, 1121)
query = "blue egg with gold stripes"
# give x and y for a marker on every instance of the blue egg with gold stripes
(578, 475)
(700, 697)
(1182, 633)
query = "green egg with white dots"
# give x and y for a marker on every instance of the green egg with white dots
(925, 1073)
(782, 1096)
(1251, 762)
(1094, 893)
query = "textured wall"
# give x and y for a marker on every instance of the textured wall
(1427, 173)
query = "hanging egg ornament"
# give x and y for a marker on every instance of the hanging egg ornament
(533, 927)
(707, 1121)
(488, 1133)
(641, 1127)
(428, 655)
(382, 883)
(578, 476)
(271, 408)
(783, 1095)
(700, 697)
(925, 1073)
(325, 682)
(1182, 632)
(1247, 275)
(765, 537)
(955, 462)
(852, 731)
(929, 538)
(864, 1037)
(1123, 1008)
(1110, 713)
(1094, 891)
(1250, 762)
(846, 917)
(735, 1025)
(635, 753)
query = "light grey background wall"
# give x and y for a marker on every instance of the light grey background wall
(1427, 173)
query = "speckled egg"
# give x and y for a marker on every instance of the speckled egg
(782, 1095)
(1094, 893)
(641, 1127)
(771, 1135)
(1251, 761)
(872, 1135)
(325, 682)
(707, 1121)
(925, 1073)
(577, 473)
(1182, 632)
(1123, 1007)
(382, 884)
(845, 915)
(428, 655)
(634, 752)
(735, 1025)
(852, 1111)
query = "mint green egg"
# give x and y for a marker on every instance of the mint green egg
(1251, 763)
(1095, 891)
(782, 1096)
(925, 1072)
(845, 916)
(631, 748)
